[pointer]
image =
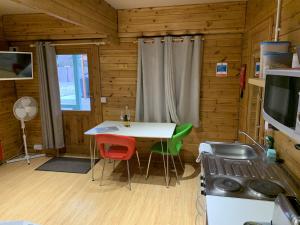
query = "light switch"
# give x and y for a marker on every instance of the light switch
(103, 99)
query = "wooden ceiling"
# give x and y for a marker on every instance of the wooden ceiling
(8, 7)
(94, 15)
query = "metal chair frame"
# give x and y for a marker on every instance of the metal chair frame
(128, 169)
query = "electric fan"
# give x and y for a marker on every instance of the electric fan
(25, 109)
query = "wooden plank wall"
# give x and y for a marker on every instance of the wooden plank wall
(3, 44)
(251, 50)
(203, 18)
(9, 126)
(260, 17)
(43, 27)
(31, 88)
(219, 107)
(96, 15)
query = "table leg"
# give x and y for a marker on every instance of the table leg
(168, 180)
(94, 154)
(91, 153)
(163, 156)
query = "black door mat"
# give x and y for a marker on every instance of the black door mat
(67, 165)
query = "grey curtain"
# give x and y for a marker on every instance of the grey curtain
(168, 80)
(150, 100)
(51, 114)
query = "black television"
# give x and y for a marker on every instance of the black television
(15, 65)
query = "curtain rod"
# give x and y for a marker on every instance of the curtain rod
(70, 44)
(151, 40)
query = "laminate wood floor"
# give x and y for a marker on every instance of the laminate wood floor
(51, 198)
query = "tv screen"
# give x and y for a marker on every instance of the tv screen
(15, 65)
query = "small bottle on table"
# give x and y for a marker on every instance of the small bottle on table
(126, 117)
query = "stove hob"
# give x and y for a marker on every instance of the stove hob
(227, 185)
(265, 188)
(249, 179)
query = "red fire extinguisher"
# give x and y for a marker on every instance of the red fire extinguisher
(243, 79)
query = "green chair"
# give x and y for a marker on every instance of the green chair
(174, 147)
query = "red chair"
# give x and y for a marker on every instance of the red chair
(120, 148)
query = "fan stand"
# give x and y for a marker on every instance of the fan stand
(26, 157)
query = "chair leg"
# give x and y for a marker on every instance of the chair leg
(114, 165)
(102, 172)
(148, 166)
(175, 168)
(138, 158)
(129, 182)
(180, 162)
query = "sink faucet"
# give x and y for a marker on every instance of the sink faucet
(255, 142)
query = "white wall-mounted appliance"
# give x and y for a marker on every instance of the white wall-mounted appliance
(281, 106)
(15, 65)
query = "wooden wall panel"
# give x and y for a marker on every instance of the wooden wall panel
(31, 88)
(2, 40)
(223, 24)
(43, 27)
(290, 26)
(290, 30)
(288, 152)
(261, 16)
(203, 18)
(76, 123)
(95, 15)
(9, 126)
(219, 106)
(251, 48)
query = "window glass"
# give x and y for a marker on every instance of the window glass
(73, 79)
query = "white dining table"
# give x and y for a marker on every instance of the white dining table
(162, 131)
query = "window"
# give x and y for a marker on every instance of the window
(73, 79)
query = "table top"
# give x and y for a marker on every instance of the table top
(136, 129)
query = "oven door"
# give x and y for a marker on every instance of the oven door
(281, 99)
(201, 218)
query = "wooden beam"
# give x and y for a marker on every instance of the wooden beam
(40, 26)
(97, 16)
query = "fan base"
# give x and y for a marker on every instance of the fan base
(25, 158)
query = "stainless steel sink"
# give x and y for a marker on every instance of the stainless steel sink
(233, 150)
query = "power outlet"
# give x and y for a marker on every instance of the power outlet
(38, 147)
(14, 49)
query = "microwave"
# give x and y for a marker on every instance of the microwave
(281, 105)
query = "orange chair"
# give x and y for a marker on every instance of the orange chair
(120, 148)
